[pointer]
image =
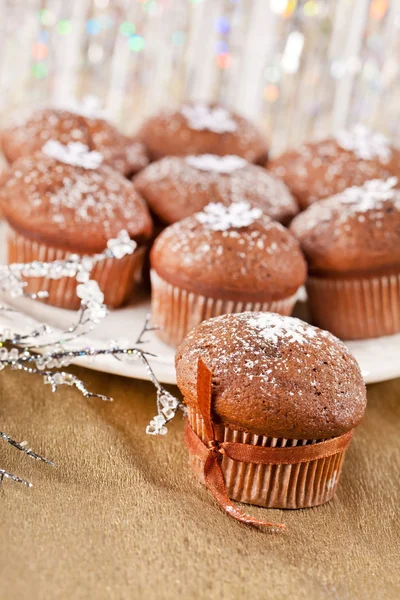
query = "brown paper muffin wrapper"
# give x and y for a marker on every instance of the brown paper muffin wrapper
(356, 308)
(291, 486)
(177, 311)
(116, 278)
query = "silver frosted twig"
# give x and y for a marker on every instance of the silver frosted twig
(23, 447)
(145, 329)
(6, 475)
(44, 351)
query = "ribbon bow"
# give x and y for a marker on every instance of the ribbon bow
(211, 452)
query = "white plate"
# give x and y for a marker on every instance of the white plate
(379, 358)
(121, 325)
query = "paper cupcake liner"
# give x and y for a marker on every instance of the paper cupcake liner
(176, 311)
(292, 486)
(116, 278)
(356, 308)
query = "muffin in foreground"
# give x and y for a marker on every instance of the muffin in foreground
(352, 244)
(198, 128)
(284, 398)
(322, 169)
(222, 260)
(62, 201)
(123, 154)
(177, 187)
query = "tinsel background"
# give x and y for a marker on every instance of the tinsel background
(300, 68)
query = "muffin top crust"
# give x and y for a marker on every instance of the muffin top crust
(199, 128)
(176, 187)
(71, 200)
(120, 152)
(274, 376)
(318, 170)
(233, 252)
(355, 231)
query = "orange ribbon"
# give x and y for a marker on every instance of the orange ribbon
(211, 451)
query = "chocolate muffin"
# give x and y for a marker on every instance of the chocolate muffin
(123, 154)
(352, 245)
(198, 128)
(64, 200)
(322, 169)
(279, 383)
(176, 187)
(222, 260)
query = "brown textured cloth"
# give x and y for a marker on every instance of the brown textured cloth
(122, 516)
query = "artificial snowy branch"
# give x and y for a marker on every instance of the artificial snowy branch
(44, 351)
(22, 447)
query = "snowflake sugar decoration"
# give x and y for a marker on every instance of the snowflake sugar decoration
(73, 153)
(89, 106)
(122, 245)
(203, 117)
(217, 164)
(219, 217)
(366, 201)
(365, 144)
(373, 192)
(42, 350)
(274, 328)
(90, 292)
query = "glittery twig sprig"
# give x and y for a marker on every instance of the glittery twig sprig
(167, 404)
(7, 475)
(22, 447)
(46, 352)
(12, 276)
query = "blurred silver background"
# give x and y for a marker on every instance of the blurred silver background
(301, 69)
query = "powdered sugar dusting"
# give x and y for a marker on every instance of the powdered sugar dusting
(73, 153)
(70, 197)
(364, 143)
(136, 155)
(239, 342)
(364, 203)
(203, 117)
(371, 194)
(263, 258)
(219, 217)
(275, 351)
(275, 375)
(319, 170)
(218, 164)
(275, 328)
(181, 184)
(197, 243)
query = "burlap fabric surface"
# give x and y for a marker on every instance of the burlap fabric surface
(122, 516)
